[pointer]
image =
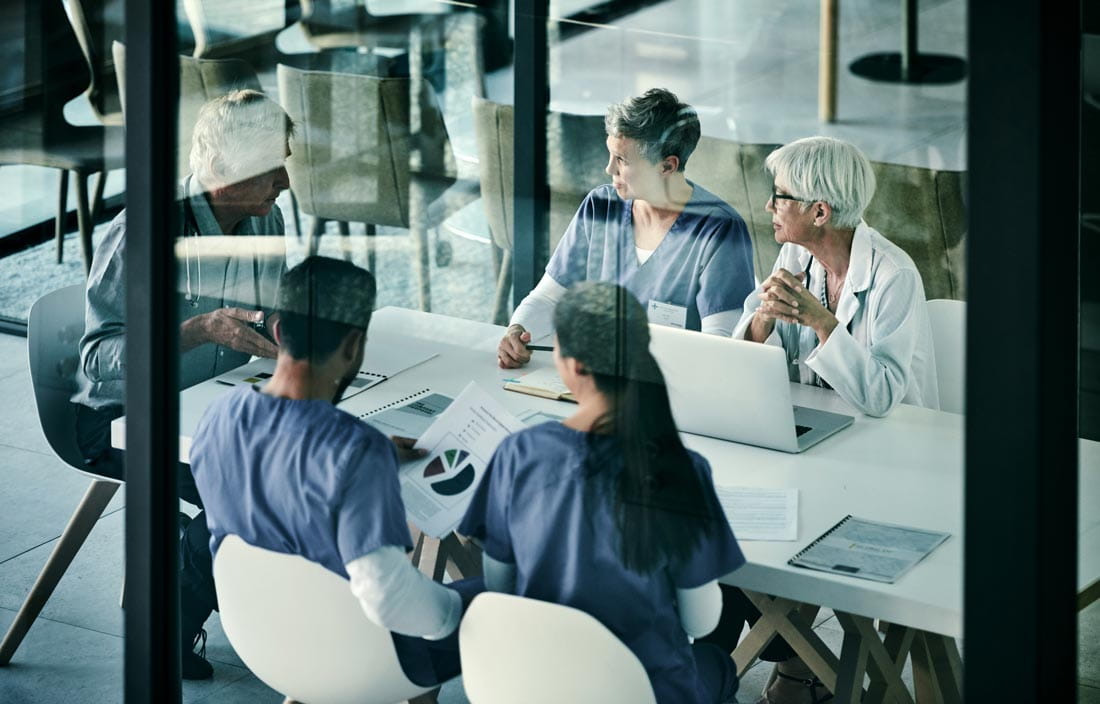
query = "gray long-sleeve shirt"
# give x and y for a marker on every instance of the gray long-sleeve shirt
(214, 270)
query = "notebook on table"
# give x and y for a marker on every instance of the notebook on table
(873, 550)
(544, 383)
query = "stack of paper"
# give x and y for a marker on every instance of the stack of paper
(760, 514)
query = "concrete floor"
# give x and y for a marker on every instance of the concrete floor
(750, 68)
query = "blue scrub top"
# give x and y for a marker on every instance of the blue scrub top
(704, 263)
(536, 508)
(297, 477)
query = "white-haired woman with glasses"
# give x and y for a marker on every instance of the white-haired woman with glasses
(845, 303)
(681, 250)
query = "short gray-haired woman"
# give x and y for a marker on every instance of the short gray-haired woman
(845, 303)
(682, 251)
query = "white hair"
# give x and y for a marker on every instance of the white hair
(829, 170)
(237, 136)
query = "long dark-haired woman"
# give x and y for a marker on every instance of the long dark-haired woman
(607, 512)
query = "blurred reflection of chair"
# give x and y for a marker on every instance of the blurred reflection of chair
(223, 28)
(921, 210)
(336, 24)
(200, 80)
(54, 327)
(576, 157)
(96, 24)
(38, 135)
(948, 319)
(360, 155)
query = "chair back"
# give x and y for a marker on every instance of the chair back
(920, 210)
(576, 157)
(225, 27)
(356, 145)
(523, 650)
(96, 24)
(54, 329)
(200, 81)
(494, 130)
(299, 628)
(948, 319)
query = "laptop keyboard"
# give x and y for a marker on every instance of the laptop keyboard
(800, 430)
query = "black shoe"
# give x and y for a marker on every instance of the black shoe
(193, 666)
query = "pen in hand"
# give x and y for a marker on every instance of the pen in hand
(540, 348)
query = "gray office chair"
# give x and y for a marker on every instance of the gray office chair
(365, 151)
(53, 333)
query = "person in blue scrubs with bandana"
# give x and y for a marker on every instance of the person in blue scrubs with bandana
(681, 250)
(607, 512)
(286, 470)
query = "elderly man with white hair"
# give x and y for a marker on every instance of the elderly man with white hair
(227, 281)
(845, 303)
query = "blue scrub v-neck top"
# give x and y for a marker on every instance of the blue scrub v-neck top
(536, 507)
(703, 264)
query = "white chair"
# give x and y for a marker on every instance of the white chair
(299, 628)
(948, 320)
(523, 650)
(54, 328)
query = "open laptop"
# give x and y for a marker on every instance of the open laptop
(736, 390)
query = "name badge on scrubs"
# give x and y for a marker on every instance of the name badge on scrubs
(667, 314)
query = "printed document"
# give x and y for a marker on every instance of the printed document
(437, 488)
(760, 514)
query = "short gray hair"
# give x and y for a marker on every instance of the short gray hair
(237, 136)
(826, 169)
(660, 124)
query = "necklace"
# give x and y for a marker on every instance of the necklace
(830, 300)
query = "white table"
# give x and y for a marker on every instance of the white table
(906, 468)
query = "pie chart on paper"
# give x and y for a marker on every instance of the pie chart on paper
(456, 484)
(445, 462)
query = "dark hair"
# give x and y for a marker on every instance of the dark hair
(659, 503)
(660, 124)
(320, 302)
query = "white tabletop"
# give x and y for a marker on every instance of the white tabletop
(906, 468)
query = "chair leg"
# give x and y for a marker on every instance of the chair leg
(89, 510)
(315, 234)
(62, 211)
(97, 195)
(424, 267)
(297, 215)
(504, 290)
(371, 257)
(84, 219)
(345, 238)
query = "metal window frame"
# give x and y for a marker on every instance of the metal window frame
(152, 646)
(1023, 131)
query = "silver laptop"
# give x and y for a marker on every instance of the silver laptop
(736, 390)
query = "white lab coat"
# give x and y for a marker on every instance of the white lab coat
(880, 354)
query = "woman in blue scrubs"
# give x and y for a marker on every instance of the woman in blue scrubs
(607, 512)
(681, 250)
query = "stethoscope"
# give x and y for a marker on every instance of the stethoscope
(189, 217)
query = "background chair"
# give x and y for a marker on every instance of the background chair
(54, 328)
(200, 81)
(365, 151)
(96, 24)
(299, 628)
(523, 650)
(576, 158)
(920, 210)
(948, 320)
(226, 27)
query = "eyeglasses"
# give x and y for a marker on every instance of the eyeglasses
(776, 197)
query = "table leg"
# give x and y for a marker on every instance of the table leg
(882, 663)
(776, 618)
(826, 70)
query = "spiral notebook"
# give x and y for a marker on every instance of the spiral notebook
(856, 547)
(408, 416)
